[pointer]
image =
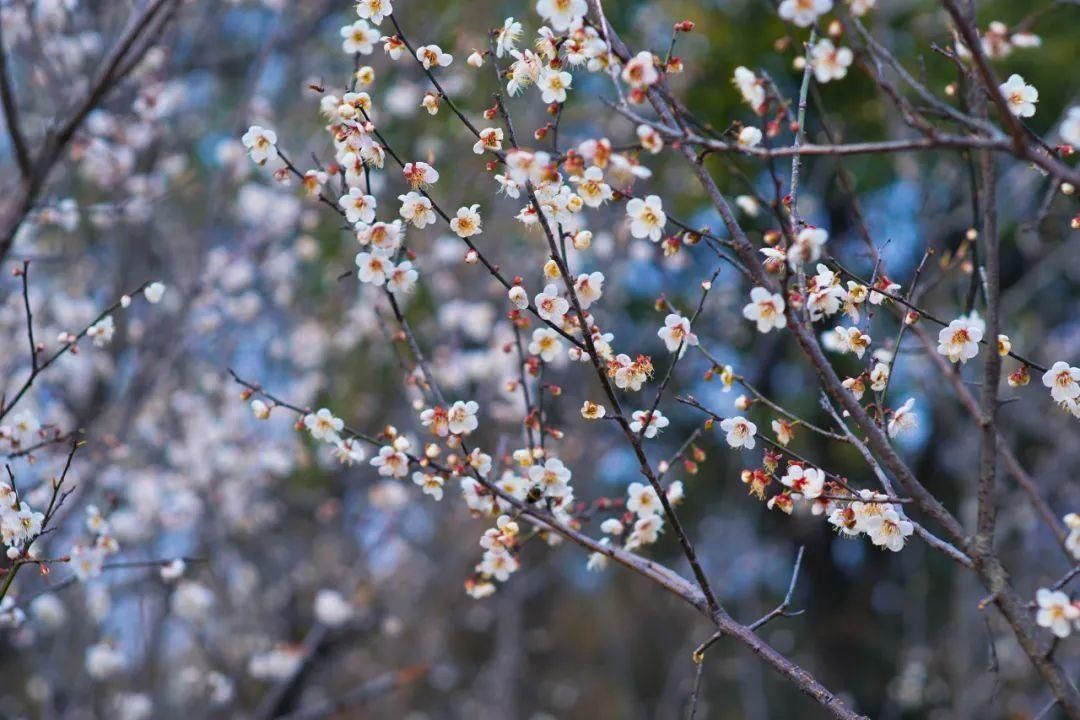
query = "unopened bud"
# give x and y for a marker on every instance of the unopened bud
(1004, 345)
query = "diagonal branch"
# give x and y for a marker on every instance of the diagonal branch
(11, 114)
(115, 67)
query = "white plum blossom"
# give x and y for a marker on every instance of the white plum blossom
(553, 478)
(593, 411)
(416, 209)
(507, 36)
(887, 286)
(374, 10)
(402, 278)
(629, 374)
(261, 143)
(593, 190)
(804, 482)
(785, 431)
(613, 526)
(461, 417)
(889, 530)
(651, 140)
(640, 70)
(432, 56)
(675, 493)
(589, 287)
(1057, 612)
(490, 140)
(86, 561)
(597, 560)
(740, 432)
(431, 485)
(374, 267)
(804, 13)
(349, 451)
(498, 564)
(24, 426)
(467, 222)
(393, 46)
(647, 218)
(359, 38)
(879, 377)
(436, 420)
(19, 524)
(524, 71)
(419, 174)
(391, 462)
(323, 425)
(646, 531)
(480, 462)
(829, 62)
(102, 331)
(657, 422)
(807, 247)
(959, 341)
(851, 340)
(561, 14)
(642, 500)
(1019, 96)
(750, 87)
(546, 344)
(1063, 381)
(766, 309)
(676, 332)
(826, 295)
(381, 235)
(358, 207)
(553, 85)
(551, 306)
(903, 418)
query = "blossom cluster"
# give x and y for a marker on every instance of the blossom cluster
(558, 193)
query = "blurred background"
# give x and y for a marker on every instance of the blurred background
(157, 186)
